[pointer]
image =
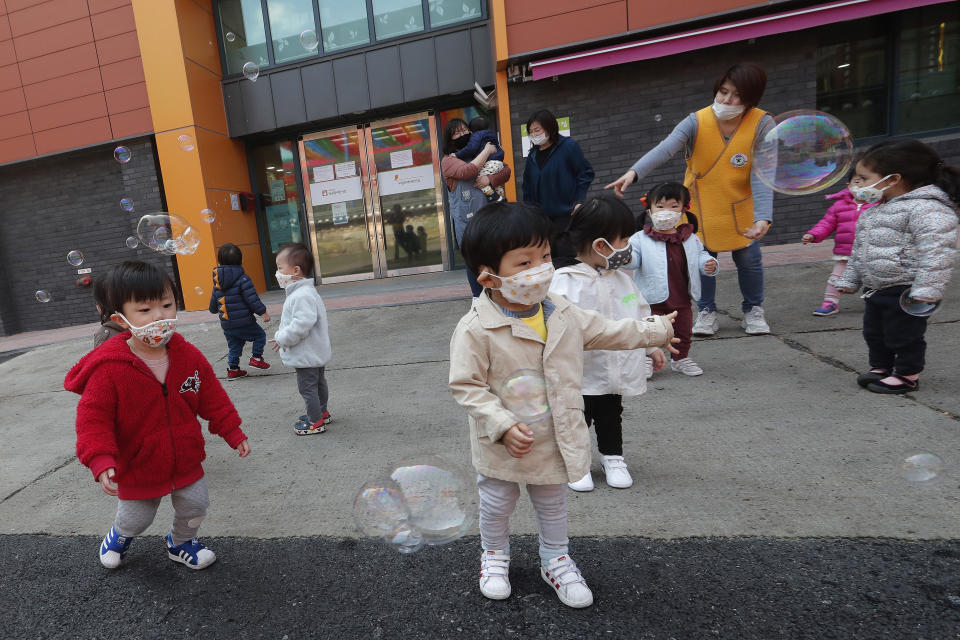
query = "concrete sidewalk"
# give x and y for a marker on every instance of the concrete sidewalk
(774, 440)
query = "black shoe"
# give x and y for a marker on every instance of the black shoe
(882, 387)
(496, 197)
(866, 378)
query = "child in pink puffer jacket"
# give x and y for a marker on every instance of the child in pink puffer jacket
(841, 218)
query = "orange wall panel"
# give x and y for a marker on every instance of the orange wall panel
(537, 9)
(127, 98)
(4, 28)
(131, 123)
(9, 77)
(72, 136)
(68, 112)
(46, 15)
(121, 74)
(75, 85)
(14, 125)
(58, 38)
(12, 101)
(224, 162)
(116, 48)
(575, 26)
(17, 149)
(199, 35)
(99, 6)
(7, 54)
(113, 22)
(16, 5)
(206, 98)
(58, 64)
(641, 15)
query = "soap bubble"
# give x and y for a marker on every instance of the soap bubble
(126, 204)
(43, 296)
(921, 467)
(198, 291)
(122, 155)
(230, 36)
(208, 215)
(524, 393)
(132, 242)
(185, 142)
(916, 307)
(251, 71)
(801, 152)
(168, 233)
(380, 511)
(309, 40)
(658, 118)
(75, 258)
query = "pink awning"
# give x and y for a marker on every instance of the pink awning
(721, 34)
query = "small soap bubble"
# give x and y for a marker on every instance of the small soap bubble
(921, 468)
(75, 258)
(309, 40)
(185, 142)
(230, 36)
(657, 118)
(208, 215)
(126, 204)
(524, 393)
(251, 71)
(122, 155)
(43, 296)
(132, 242)
(198, 291)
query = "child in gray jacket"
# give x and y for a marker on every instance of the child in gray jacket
(303, 339)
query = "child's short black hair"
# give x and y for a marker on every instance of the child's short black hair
(668, 191)
(297, 254)
(133, 281)
(100, 296)
(601, 216)
(501, 227)
(479, 124)
(229, 254)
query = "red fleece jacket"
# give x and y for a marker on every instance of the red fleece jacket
(148, 431)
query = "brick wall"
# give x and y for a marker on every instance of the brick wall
(619, 113)
(57, 204)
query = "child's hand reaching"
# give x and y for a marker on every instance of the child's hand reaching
(243, 449)
(711, 267)
(518, 439)
(672, 317)
(807, 238)
(266, 317)
(659, 360)
(274, 344)
(106, 482)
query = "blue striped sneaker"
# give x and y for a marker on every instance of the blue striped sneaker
(191, 553)
(113, 548)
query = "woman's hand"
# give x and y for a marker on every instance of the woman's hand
(620, 184)
(758, 230)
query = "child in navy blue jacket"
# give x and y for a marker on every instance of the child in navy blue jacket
(236, 302)
(480, 135)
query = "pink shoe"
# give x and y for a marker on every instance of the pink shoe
(828, 308)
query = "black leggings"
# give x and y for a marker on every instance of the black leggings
(604, 413)
(894, 337)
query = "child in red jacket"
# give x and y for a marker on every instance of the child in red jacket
(137, 429)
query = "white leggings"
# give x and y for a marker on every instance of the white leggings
(498, 498)
(189, 508)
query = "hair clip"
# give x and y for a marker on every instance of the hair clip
(643, 201)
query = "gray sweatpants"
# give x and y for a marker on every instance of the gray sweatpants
(189, 509)
(312, 385)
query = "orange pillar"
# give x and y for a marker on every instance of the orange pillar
(498, 32)
(199, 163)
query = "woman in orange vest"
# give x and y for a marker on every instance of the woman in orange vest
(734, 208)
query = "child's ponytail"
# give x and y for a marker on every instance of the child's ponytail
(947, 177)
(917, 163)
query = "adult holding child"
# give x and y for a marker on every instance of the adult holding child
(734, 208)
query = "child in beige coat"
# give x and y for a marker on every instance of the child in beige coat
(517, 325)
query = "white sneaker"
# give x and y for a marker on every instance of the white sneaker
(583, 484)
(754, 322)
(495, 575)
(562, 574)
(707, 323)
(686, 366)
(616, 471)
(648, 367)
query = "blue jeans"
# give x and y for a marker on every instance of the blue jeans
(239, 336)
(749, 261)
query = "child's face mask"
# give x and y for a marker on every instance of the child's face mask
(871, 193)
(284, 279)
(617, 257)
(155, 334)
(527, 287)
(664, 219)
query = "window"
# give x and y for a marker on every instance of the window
(292, 29)
(243, 34)
(344, 24)
(852, 83)
(394, 18)
(446, 12)
(929, 80)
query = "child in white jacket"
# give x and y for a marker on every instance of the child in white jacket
(303, 339)
(589, 255)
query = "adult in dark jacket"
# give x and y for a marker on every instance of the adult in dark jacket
(557, 174)
(235, 300)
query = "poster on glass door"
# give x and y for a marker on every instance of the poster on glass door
(406, 180)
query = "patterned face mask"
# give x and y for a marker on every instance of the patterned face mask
(527, 287)
(617, 258)
(155, 334)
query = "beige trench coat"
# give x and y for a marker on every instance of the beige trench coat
(487, 346)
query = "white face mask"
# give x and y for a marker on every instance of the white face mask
(527, 287)
(538, 139)
(665, 219)
(617, 257)
(283, 279)
(870, 193)
(154, 334)
(727, 111)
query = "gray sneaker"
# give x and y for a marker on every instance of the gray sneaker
(707, 323)
(754, 323)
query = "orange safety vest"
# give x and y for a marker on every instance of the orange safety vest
(718, 176)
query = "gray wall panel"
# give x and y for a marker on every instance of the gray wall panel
(258, 104)
(350, 75)
(383, 77)
(454, 62)
(482, 56)
(319, 91)
(288, 97)
(233, 103)
(418, 64)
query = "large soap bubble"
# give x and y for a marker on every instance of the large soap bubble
(168, 233)
(802, 152)
(524, 393)
(380, 511)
